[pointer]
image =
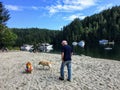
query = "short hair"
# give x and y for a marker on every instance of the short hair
(64, 42)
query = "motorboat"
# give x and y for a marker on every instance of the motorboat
(81, 43)
(26, 47)
(103, 42)
(74, 43)
(45, 47)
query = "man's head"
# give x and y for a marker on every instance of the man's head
(64, 42)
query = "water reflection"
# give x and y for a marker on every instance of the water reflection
(97, 51)
(100, 51)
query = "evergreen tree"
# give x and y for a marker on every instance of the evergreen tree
(4, 14)
(6, 36)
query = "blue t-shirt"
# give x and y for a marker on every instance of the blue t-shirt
(67, 52)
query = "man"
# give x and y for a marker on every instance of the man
(66, 54)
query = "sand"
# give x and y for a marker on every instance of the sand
(87, 73)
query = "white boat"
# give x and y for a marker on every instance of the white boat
(49, 48)
(26, 47)
(74, 43)
(103, 42)
(45, 47)
(111, 43)
(81, 43)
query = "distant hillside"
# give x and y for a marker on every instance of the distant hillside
(105, 25)
(34, 35)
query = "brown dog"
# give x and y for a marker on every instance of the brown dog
(45, 63)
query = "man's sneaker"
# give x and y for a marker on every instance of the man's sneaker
(60, 78)
(69, 80)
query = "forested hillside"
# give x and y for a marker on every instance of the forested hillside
(34, 36)
(105, 25)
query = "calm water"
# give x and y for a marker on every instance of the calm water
(99, 51)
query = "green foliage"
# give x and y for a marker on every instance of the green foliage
(7, 38)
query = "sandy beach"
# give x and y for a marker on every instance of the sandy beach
(87, 73)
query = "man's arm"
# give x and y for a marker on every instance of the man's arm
(62, 56)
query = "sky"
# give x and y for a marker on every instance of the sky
(52, 14)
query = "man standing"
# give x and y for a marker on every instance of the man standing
(66, 54)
